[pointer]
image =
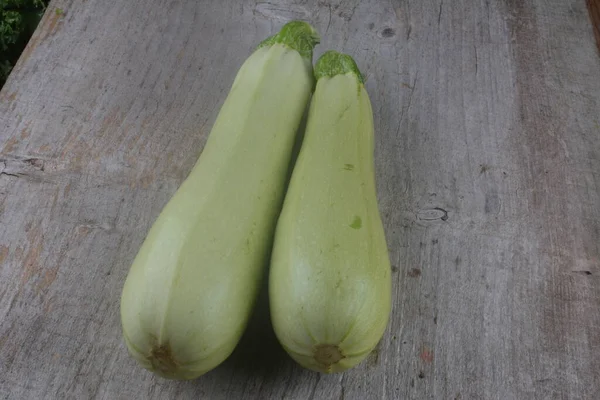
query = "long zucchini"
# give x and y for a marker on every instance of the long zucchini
(191, 288)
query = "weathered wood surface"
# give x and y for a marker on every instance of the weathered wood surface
(487, 116)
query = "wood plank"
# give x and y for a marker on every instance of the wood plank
(488, 167)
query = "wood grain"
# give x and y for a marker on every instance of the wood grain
(488, 167)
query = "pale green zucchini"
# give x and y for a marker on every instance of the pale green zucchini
(191, 288)
(329, 284)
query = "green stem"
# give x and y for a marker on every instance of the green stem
(332, 63)
(297, 35)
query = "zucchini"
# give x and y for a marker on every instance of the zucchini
(330, 278)
(191, 288)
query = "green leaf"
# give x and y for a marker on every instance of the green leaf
(18, 20)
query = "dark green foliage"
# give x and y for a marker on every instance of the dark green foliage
(18, 20)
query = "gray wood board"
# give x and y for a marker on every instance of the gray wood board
(487, 119)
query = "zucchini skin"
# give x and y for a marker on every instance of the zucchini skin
(190, 291)
(330, 277)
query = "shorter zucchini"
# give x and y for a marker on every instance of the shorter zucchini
(330, 278)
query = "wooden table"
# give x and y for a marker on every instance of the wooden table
(487, 118)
